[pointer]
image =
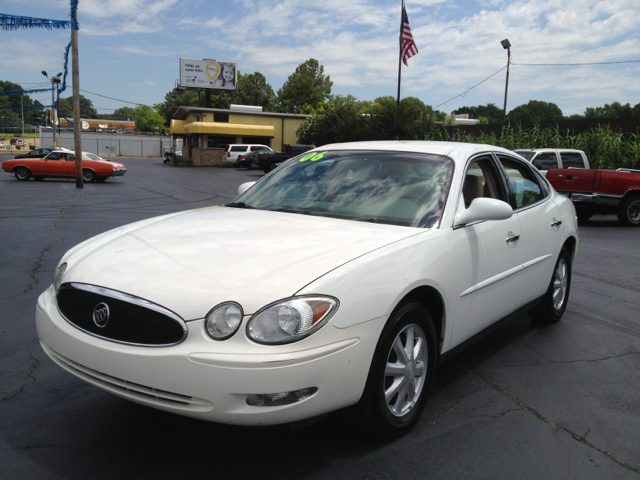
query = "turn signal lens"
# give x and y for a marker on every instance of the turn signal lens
(291, 320)
(223, 320)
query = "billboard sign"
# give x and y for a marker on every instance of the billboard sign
(204, 73)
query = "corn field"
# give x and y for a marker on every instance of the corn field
(604, 147)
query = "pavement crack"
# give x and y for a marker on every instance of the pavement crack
(33, 365)
(581, 360)
(541, 417)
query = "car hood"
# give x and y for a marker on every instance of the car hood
(191, 261)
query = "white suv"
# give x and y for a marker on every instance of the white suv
(234, 151)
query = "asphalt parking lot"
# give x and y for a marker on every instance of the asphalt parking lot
(528, 401)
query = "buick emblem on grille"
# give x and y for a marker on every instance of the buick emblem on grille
(101, 314)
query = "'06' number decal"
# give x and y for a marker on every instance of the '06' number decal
(314, 157)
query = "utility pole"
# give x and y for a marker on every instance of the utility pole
(22, 108)
(77, 123)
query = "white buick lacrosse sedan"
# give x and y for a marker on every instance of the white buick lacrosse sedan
(338, 281)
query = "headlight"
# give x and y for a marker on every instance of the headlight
(291, 320)
(223, 320)
(57, 276)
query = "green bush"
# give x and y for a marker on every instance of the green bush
(18, 147)
(32, 147)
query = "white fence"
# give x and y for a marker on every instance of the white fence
(113, 145)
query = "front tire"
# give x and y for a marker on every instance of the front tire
(400, 376)
(88, 176)
(629, 212)
(23, 174)
(555, 300)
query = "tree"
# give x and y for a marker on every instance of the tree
(535, 112)
(253, 89)
(345, 119)
(615, 110)
(307, 85)
(147, 119)
(87, 109)
(123, 112)
(489, 111)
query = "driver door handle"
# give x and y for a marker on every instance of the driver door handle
(556, 223)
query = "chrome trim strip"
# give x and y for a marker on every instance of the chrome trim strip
(125, 297)
(531, 263)
(492, 280)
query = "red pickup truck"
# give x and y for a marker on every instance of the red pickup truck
(600, 191)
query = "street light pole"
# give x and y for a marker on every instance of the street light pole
(507, 46)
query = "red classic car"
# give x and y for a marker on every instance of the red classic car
(62, 164)
(600, 191)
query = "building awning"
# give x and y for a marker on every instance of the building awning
(180, 127)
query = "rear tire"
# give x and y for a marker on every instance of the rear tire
(23, 174)
(555, 300)
(629, 212)
(400, 376)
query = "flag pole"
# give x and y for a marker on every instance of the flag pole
(400, 49)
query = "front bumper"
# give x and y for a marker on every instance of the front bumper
(119, 172)
(211, 380)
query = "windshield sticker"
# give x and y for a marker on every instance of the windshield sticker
(314, 157)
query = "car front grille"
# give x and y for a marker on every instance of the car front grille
(133, 391)
(119, 317)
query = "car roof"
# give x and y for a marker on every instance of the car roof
(453, 150)
(547, 150)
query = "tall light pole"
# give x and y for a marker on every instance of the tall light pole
(507, 46)
(55, 79)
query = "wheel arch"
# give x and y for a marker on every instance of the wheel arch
(634, 192)
(432, 301)
(571, 244)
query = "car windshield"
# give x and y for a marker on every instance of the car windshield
(91, 156)
(526, 155)
(396, 188)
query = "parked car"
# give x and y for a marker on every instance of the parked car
(267, 161)
(37, 153)
(232, 152)
(18, 142)
(601, 191)
(338, 281)
(545, 158)
(61, 163)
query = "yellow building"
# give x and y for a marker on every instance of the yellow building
(207, 131)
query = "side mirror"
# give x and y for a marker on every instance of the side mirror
(482, 209)
(244, 187)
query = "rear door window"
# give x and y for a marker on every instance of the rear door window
(571, 160)
(239, 148)
(545, 161)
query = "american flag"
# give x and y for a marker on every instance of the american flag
(408, 47)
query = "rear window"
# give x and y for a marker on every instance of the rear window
(526, 155)
(572, 160)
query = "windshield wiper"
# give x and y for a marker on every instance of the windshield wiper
(238, 205)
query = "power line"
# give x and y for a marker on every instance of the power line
(116, 99)
(571, 64)
(464, 94)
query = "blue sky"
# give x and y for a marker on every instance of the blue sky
(129, 49)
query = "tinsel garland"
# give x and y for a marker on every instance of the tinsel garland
(14, 22)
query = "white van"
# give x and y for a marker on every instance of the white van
(233, 151)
